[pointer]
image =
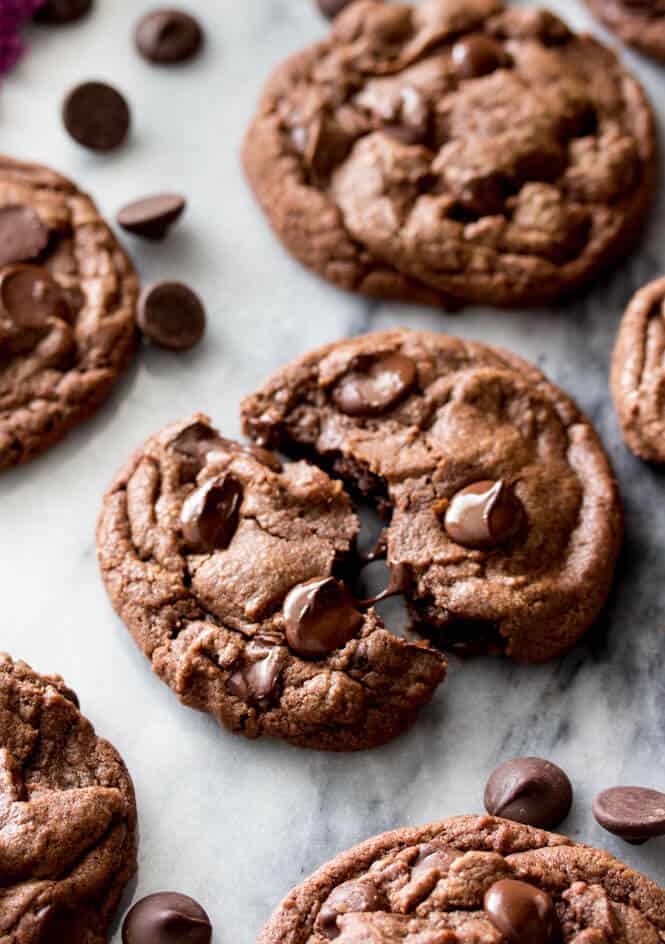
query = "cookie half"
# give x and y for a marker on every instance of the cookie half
(67, 309)
(431, 883)
(225, 566)
(638, 373)
(453, 152)
(67, 816)
(503, 510)
(640, 23)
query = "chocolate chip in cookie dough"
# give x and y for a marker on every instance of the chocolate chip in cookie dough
(167, 918)
(320, 617)
(522, 913)
(636, 814)
(152, 217)
(59, 923)
(529, 790)
(22, 234)
(97, 116)
(350, 898)
(484, 514)
(63, 11)
(257, 681)
(209, 516)
(375, 387)
(168, 36)
(331, 8)
(477, 55)
(30, 296)
(171, 315)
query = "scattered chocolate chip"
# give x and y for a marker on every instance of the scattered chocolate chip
(171, 315)
(636, 814)
(484, 514)
(375, 388)
(167, 918)
(330, 8)
(30, 296)
(320, 616)
(521, 912)
(22, 234)
(152, 217)
(350, 898)
(97, 116)
(168, 36)
(62, 11)
(477, 55)
(257, 681)
(529, 790)
(399, 583)
(210, 515)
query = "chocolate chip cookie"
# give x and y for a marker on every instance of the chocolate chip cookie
(455, 151)
(67, 816)
(67, 309)
(472, 880)
(227, 569)
(640, 23)
(638, 373)
(504, 516)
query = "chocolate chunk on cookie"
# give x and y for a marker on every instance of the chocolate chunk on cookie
(638, 373)
(640, 23)
(67, 309)
(471, 879)
(454, 151)
(67, 816)
(503, 507)
(227, 569)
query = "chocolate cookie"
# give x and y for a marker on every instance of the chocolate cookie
(67, 816)
(226, 568)
(67, 309)
(638, 373)
(455, 151)
(504, 510)
(640, 23)
(472, 880)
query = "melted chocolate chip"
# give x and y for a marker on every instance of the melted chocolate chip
(531, 791)
(350, 898)
(167, 918)
(376, 387)
(166, 37)
(210, 515)
(152, 217)
(484, 514)
(400, 581)
(522, 913)
(257, 681)
(477, 55)
(59, 923)
(198, 441)
(97, 116)
(636, 814)
(320, 616)
(171, 315)
(30, 297)
(22, 235)
(434, 857)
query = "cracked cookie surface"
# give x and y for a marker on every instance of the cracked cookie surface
(67, 309)
(451, 152)
(640, 23)
(427, 884)
(67, 816)
(638, 373)
(223, 564)
(527, 564)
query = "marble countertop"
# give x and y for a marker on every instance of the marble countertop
(235, 823)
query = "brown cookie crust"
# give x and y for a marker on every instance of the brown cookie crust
(384, 170)
(476, 414)
(638, 376)
(65, 377)
(597, 898)
(205, 619)
(640, 23)
(67, 815)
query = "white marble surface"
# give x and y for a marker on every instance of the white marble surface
(235, 823)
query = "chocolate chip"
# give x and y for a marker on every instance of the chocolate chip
(399, 583)
(352, 897)
(529, 790)
(168, 36)
(63, 11)
(434, 857)
(257, 681)
(152, 217)
(331, 8)
(171, 315)
(97, 116)
(636, 814)
(210, 515)
(376, 387)
(22, 234)
(320, 616)
(59, 923)
(477, 55)
(196, 441)
(30, 297)
(167, 918)
(521, 912)
(484, 514)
